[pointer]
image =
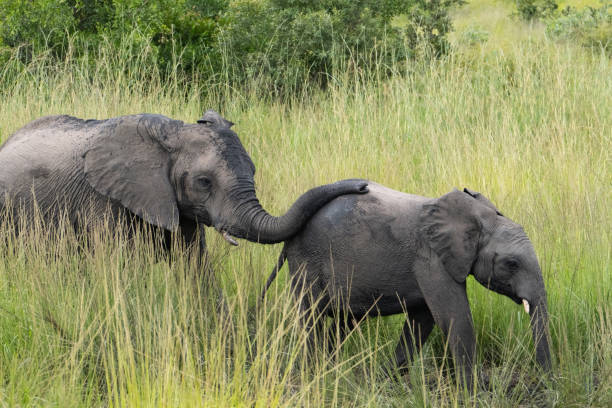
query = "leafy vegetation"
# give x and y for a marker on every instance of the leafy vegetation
(294, 41)
(278, 43)
(590, 27)
(79, 26)
(535, 9)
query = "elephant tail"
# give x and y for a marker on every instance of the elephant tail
(279, 264)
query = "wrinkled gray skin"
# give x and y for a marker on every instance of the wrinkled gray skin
(173, 175)
(389, 252)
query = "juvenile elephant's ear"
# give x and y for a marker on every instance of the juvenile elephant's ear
(452, 226)
(128, 161)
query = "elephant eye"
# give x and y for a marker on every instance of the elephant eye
(204, 182)
(511, 264)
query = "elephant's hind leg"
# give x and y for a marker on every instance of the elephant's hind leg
(418, 326)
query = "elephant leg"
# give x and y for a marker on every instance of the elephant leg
(313, 323)
(418, 326)
(195, 234)
(204, 260)
(447, 300)
(311, 318)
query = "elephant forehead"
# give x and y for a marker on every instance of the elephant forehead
(511, 238)
(233, 153)
(510, 231)
(203, 160)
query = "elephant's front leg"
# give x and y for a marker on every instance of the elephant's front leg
(458, 329)
(447, 300)
(452, 314)
(195, 234)
(418, 326)
(204, 261)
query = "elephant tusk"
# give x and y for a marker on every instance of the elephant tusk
(526, 305)
(229, 238)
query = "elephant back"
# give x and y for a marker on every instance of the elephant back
(42, 163)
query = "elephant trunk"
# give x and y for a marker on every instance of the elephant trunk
(256, 225)
(539, 327)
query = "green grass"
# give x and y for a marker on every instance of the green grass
(528, 124)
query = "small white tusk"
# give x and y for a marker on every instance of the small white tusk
(229, 238)
(526, 305)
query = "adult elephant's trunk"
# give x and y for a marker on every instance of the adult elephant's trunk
(255, 224)
(539, 327)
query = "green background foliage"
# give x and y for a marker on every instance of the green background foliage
(590, 27)
(184, 27)
(282, 43)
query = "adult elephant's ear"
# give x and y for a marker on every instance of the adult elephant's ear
(129, 160)
(452, 226)
(482, 199)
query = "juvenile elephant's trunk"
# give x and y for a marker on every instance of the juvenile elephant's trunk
(258, 226)
(539, 327)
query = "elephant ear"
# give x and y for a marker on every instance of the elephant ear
(452, 226)
(213, 119)
(482, 199)
(129, 161)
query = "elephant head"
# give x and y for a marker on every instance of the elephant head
(470, 236)
(163, 169)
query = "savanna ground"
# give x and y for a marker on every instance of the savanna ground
(518, 117)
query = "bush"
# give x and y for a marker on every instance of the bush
(43, 23)
(281, 44)
(590, 27)
(530, 10)
(298, 41)
(190, 26)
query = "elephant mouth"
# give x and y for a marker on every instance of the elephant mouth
(517, 300)
(227, 236)
(505, 290)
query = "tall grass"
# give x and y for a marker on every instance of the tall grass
(119, 324)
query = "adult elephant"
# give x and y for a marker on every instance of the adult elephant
(389, 252)
(173, 175)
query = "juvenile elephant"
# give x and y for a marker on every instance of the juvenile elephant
(388, 252)
(173, 175)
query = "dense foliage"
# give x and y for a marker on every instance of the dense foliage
(590, 27)
(278, 41)
(189, 25)
(535, 9)
(291, 40)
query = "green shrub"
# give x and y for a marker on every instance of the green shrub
(43, 23)
(529, 10)
(590, 27)
(291, 42)
(188, 26)
(281, 44)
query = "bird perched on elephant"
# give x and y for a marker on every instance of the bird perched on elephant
(388, 252)
(170, 174)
